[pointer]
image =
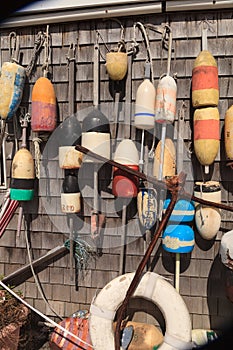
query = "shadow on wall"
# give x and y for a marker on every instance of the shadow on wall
(220, 307)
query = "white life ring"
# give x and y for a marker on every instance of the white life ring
(152, 287)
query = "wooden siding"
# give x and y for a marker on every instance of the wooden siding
(202, 278)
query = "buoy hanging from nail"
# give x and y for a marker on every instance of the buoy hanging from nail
(123, 184)
(206, 134)
(205, 89)
(165, 103)
(12, 81)
(70, 197)
(208, 219)
(96, 135)
(169, 160)
(144, 116)
(70, 134)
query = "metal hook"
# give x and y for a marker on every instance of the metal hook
(13, 47)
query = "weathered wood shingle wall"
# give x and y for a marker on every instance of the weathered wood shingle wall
(202, 278)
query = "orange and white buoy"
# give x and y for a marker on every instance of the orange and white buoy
(228, 133)
(205, 88)
(169, 161)
(208, 219)
(165, 103)
(44, 108)
(206, 131)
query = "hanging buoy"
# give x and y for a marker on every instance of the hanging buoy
(147, 207)
(124, 184)
(205, 89)
(169, 162)
(183, 211)
(206, 130)
(96, 135)
(23, 174)
(12, 82)
(202, 337)
(228, 133)
(70, 197)
(144, 116)
(208, 219)
(69, 157)
(178, 239)
(165, 102)
(44, 108)
(116, 65)
(226, 249)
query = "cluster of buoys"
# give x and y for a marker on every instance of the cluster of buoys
(205, 98)
(208, 219)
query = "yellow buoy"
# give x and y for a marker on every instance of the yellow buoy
(116, 65)
(169, 162)
(206, 132)
(205, 89)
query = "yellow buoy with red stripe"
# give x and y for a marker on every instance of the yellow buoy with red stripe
(206, 131)
(44, 108)
(165, 103)
(205, 87)
(228, 133)
(169, 161)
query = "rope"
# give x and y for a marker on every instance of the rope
(40, 37)
(34, 274)
(66, 331)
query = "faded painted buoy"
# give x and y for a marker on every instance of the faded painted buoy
(70, 197)
(178, 239)
(96, 135)
(44, 108)
(165, 102)
(226, 249)
(23, 174)
(206, 129)
(169, 163)
(183, 211)
(205, 89)
(116, 65)
(228, 132)
(123, 184)
(208, 219)
(144, 116)
(12, 82)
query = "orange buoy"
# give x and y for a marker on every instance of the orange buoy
(165, 102)
(44, 109)
(205, 88)
(208, 219)
(228, 132)
(169, 162)
(78, 326)
(125, 185)
(206, 130)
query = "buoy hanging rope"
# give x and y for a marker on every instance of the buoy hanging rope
(11, 83)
